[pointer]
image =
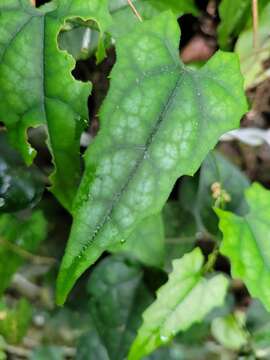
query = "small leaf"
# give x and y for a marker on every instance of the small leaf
(18, 234)
(229, 331)
(14, 322)
(170, 130)
(246, 243)
(184, 300)
(118, 297)
(37, 87)
(233, 17)
(252, 59)
(146, 243)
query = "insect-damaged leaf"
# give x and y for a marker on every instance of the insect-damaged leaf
(36, 86)
(158, 122)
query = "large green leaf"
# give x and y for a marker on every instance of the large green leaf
(36, 86)
(146, 243)
(15, 234)
(150, 135)
(184, 300)
(246, 242)
(117, 299)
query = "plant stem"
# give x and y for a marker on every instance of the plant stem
(255, 17)
(36, 259)
(134, 10)
(212, 258)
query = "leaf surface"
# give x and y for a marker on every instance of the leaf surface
(150, 135)
(36, 85)
(184, 300)
(246, 242)
(146, 243)
(117, 299)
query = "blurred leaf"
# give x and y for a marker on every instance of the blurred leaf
(246, 243)
(215, 169)
(14, 322)
(233, 17)
(117, 299)
(146, 243)
(185, 299)
(3, 355)
(229, 331)
(16, 236)
(20, 186)
(252, 60)
(48, 353)
(180, 231)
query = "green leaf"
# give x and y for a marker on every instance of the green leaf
(146, 243)
(233, 16)
(184, 300)
(252, 60)
(37, 87)
(16, 236)
(48, 353)
(124, 19)
(117, 299)
(180, 231)
(14, 322)
(246, 243)
(170, 130)
(229, 331)
(20, 186)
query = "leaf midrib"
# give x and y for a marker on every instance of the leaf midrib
(137, 165)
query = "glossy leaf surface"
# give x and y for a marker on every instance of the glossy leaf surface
(170, 130)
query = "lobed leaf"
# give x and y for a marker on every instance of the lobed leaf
(184, 300)
(158, 122)
(246, 243)
(37, 88)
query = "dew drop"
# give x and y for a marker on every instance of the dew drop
(122, 241)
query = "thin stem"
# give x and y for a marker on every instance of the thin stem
(255, 17)
(35, 259)
(134, 10)
(212, 258)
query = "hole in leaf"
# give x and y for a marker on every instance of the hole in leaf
(40, 2)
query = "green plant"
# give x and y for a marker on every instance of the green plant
(153, 281)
